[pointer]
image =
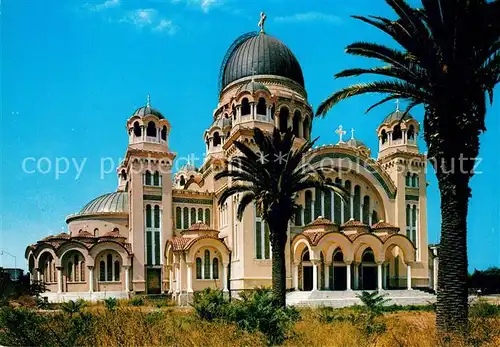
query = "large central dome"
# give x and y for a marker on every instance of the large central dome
(260, 54)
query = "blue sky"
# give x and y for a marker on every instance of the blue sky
(73, 72)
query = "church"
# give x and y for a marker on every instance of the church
(164, 232)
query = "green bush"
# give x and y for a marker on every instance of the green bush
(483, 309)
(71, 307)
(367, 321)
(137, 301)
(211, 305)
(374, 301)
(111, 304)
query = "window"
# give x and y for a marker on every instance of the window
(178, 218)
(207, 216)
(207, 265)
(337, 205)
(137, 129)
(164, 133)
(151, 129)
(217, 140)
(283, 119)
(296, 122)
(306, 128)
(200, 215)
(396, 133)
(348, 203)
(193, 215)
(414, 180)
(411, 133)
(411, 223)
(182, 182)
(383, 137)
(198, 268)
(82, 271)
(262, 240)
(152, 230)
(298, 216)
(245, 107)
(109, 267)
(148, 216)
(102, 271)
(357, 203)
(408, 179)
(185, 212)
(317, 203)
(147, 178)
(124, 175)
(261, 107)
(156, 179)
(77, 268)
(374, 217)
(70, 271)
(308, 207)
(366, 209)
(338, 256)
(215, 269)
(368, 256)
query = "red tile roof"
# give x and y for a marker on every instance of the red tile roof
(383, 225)
(351, 223)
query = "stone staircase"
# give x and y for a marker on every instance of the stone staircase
(348, 298)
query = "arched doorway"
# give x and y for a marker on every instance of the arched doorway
(338, 271)
(307, 272)
(368, 273)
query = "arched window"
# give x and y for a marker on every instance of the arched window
(245, 107)
(317, 203)
(337, 205)
(157, 216)
(116, 230)
(357, 202)
(178, 217)
(207, 216)
(327, 204)
(200, 215)
(151, 129)
(414, 180)
(102, 271)
(117, 270)
(148, 178)
(383, 136)
(233, 111)
(306, 128)
(308, 207)
(396, 132)
(411, 132)
(408, 179)
(261, 107)
(273, 111)
(124, 175)
(137, 129)
(207, 264)
(164, 133)
(368, 256)
(217, 141)
(306, 256)
(185, 212)
(156, 179)
(182, 181)
(338, 256)
(109, 268)
(347, 204)
(215, 269)
(283, 118)
(296, 121)
(77, 268)
(82, 271)
(148, 216)
(193, 215)
(70, 271)
(198, 268)
(96, 232)
(374, 216)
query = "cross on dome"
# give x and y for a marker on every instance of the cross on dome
(148, 102)
(397, 105)
(341, 132)
(352, 133)
(262, 21)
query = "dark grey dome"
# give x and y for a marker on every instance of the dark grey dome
(263, 55)
(146, 110)
(253, 86)
(396, 116)
(110, 202)
(356, 143)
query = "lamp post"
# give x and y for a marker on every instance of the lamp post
(15, 262)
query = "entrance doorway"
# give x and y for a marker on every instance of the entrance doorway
(339, 278)
(368, 273)
(154, 281)
(307, 278)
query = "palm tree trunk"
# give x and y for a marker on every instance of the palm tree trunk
(452, 300)
(279, 272)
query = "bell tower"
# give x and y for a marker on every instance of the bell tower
(146, 173)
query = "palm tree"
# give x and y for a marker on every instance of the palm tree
(271, 176)
(450, 59)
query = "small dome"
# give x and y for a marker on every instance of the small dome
(147, 110)
(253, 86)
(397, 116)
(356, 143)
(259, 54)
(107, 203)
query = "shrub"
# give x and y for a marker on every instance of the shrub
(111, 304)
(137, 301)
(483, 309)
(365, 320)
(374, 301)
(71, 307)
(210, 305)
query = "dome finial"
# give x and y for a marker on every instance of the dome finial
(397, 105)
(341, 132)
(148, 102)
(352, 133)
(262, 22)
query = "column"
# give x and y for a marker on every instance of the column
(356, 276)
(315, 275)
(385, 276)
(189, 277)
(327, 276)
(351, 202)
(170, 279)
(379, 276)
(322, 204)
(348, 273)
(295, 275)
(177, 278)
(301, 129)
(59, 279)
(127, 278)
(333, 277)
(332, 207)
(435, 274)
(91, 278)
(224, 278)
(408, 276)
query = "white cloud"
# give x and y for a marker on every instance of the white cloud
(310, 17)
(103, 6)
(204, 5)
(149, 18)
